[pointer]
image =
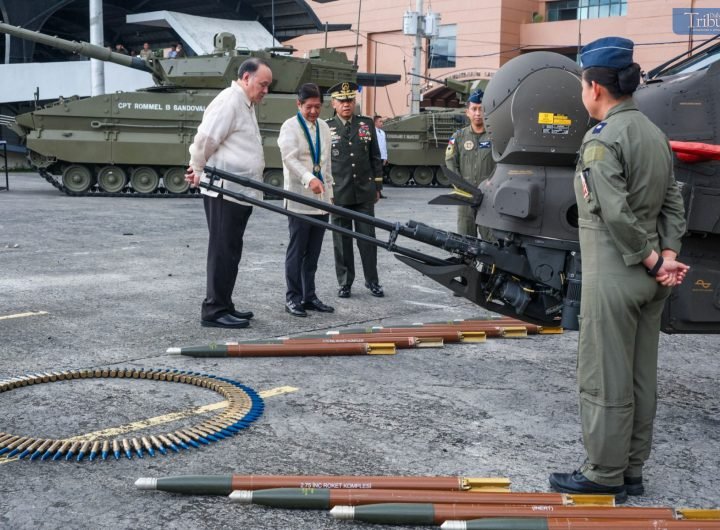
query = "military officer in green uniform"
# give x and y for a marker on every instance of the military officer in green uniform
(631, 220)
(357, 170)
(469, 153)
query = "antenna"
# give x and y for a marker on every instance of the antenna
(357, 37)
(272, 17)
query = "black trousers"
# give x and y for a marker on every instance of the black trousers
(301, 259)
(344, 258)
(226, 226)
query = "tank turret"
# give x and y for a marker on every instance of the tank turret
(137, 142)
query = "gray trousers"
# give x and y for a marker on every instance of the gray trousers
(617, 360)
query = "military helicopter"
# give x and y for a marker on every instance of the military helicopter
(536, 120)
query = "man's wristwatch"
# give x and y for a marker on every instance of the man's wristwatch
(656, 268)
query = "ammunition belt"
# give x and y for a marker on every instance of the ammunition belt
(244, 406)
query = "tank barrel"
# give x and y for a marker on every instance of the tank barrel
(79, 47)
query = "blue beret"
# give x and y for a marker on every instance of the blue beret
(476, 97)
(610, 52)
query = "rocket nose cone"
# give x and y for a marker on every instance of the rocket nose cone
(242, 496)
(146, 483)
(454, 525)
(343, 512)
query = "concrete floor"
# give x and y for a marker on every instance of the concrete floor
(121, 280)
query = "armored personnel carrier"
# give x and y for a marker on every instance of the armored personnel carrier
(137, 142)
(417, 142)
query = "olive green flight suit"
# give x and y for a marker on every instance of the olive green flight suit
(470, 155)
(628, 205)
(357, 170)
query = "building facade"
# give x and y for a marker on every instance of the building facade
(476, 38)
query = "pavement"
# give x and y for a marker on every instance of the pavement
(114, 282)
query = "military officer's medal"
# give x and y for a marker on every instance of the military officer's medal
(314, 149)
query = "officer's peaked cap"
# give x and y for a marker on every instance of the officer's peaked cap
(344, 90)
(609, 52)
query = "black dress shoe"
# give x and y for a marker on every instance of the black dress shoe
(344, 291)
(576, 482)
(295, 309)
(226, 321)
(317, 305)
(247, 315)
(375, 289)
(634, 485)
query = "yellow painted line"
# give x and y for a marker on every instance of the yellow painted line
(22, 315)
(160, 420)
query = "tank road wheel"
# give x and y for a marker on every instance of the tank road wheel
(77, 178)
(144, 179)
(174, 180)
(399, 175)
(274, 177)
(441, 179)
(111, 179)
(423, 175)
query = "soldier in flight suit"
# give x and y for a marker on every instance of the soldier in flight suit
(631, 219)
(357, 169)
(469, 153)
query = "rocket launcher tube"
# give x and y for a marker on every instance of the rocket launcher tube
(323, 499)
(490, 330)
(433, 514)
(225, 484)
(577, 524)
(291, 349)
(404, 341)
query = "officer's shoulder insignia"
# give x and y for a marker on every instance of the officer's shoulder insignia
(599, 127)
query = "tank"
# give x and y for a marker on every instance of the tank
(136, 143)
(417, 142)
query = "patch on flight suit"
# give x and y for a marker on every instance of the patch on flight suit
(484, 145)
(599, 127)
(469, 145)
(450, 151)
(594, 153)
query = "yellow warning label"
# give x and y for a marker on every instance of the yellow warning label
(550, 118)
(545, 118)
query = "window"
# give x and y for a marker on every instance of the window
(576, 9)
(442, 48)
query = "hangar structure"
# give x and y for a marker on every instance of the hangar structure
(69, 19)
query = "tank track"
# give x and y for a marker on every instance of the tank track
(95, 191)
